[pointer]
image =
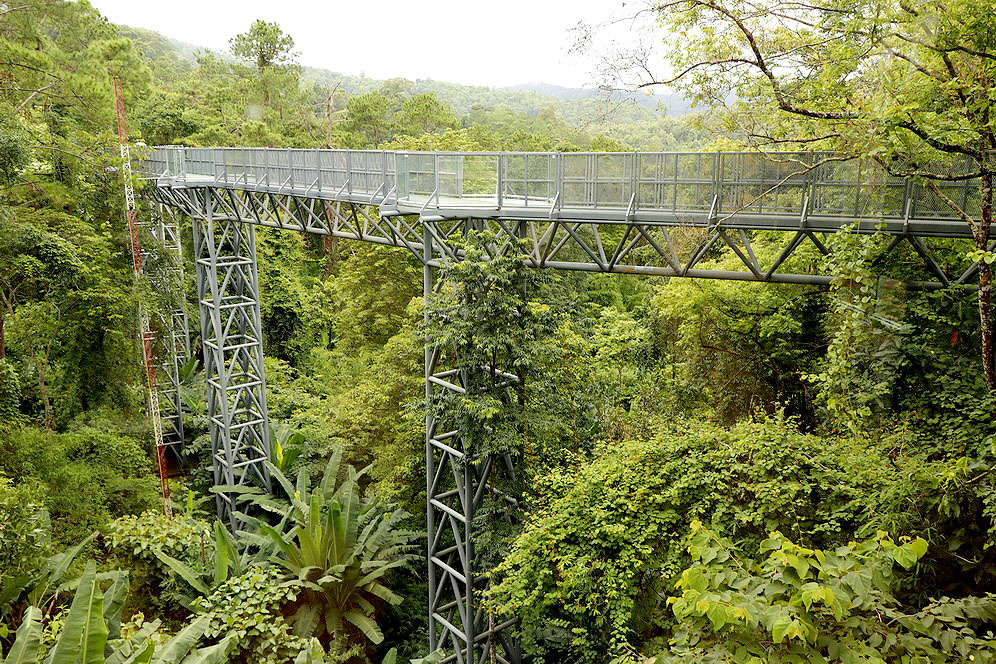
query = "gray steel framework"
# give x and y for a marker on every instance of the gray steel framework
(173, 325)
(458, 481)
(232, 341)
(633, 213)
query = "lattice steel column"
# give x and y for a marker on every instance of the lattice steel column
(231, 334)
(175, 328)
(458, 482)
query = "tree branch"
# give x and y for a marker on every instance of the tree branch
(950, 203)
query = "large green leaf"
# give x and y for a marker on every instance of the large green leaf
(366, 625)
(27, 642)
(84, 634)
(306, 620)
(114, 601)
(55, 568)
(142, 655)
(177, 647)
(313, 653)
(225, 554)
(132, 650)
(184, 571)
(216, 654)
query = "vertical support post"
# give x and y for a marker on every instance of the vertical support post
(231, 334)
(177, 331)
(457, 484)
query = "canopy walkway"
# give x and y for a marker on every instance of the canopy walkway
(664, 214)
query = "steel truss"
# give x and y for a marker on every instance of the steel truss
(232, 340)
(458, 481)
(661, 248)
(174, 325)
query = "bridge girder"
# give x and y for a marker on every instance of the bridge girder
(620, 247)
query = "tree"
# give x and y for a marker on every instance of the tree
(906, 84)
(264, 45)
(368, 118)
(424, 114)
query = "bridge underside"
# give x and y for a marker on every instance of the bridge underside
(755, 247)
(765, 249)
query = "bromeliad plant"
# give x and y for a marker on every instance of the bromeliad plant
(338, 544)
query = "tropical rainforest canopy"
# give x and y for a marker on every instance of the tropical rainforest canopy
(712, 471)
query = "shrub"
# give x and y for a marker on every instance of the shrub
(84, 478)
(135, 540)
(809, 605)
(24, 529)
(248, 607)
(586, 573)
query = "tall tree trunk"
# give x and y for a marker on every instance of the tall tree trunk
(43, 389)
(982, 233)
(3, 336)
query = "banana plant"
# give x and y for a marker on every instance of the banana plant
(338, 546)
(92, 633)
(36, 586)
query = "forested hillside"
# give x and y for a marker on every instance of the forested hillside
(712, 471)
(638, 121)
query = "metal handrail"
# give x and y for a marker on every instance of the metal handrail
(632, 182)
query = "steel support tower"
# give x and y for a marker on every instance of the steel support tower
(163, 253)
(232, 341)
(458, 481)
(663, 214)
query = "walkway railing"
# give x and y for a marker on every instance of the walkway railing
(585, 184)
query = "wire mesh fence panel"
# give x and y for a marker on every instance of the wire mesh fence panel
(479, 179)
(416, 175)
(680, 183)
(528, 179)
(449, 176)
(757, 183)
(304, 171)
(656, 180)
(198, 161)
(333, 169)
(367, 172)
(695, 181)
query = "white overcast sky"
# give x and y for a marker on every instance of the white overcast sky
(461, 41)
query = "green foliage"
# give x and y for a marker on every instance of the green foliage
(90, 633)
(286, 447)
(84, 478)
(338, 545)
(738, 347)
(247, 609)
(264, 45)
(809, 605)
(142, 535)
(25, 530)
(485, 313)
(10, 394)
(858, 376)
(29, 574)
(151, 545)
(586, 572)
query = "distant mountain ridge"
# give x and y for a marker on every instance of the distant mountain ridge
(642, 120)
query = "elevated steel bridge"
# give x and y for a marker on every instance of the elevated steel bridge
(666, 214)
